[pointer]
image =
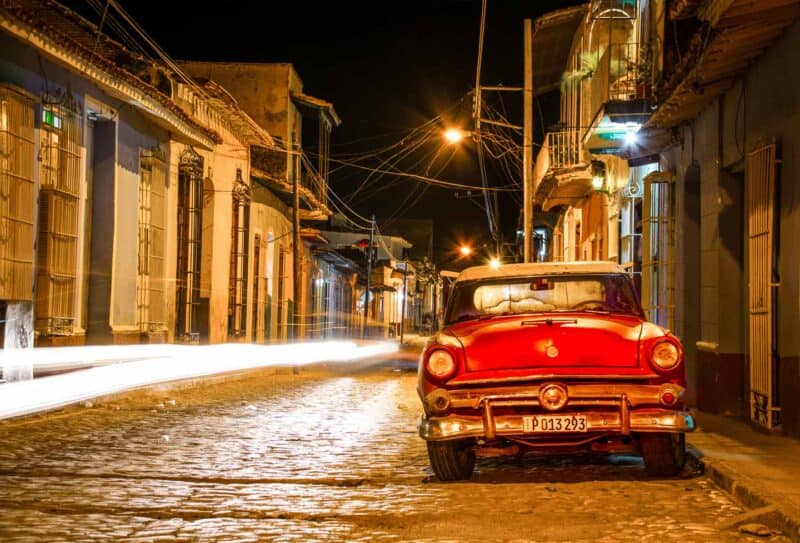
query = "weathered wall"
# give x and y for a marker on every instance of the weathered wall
(133, 135)
(261, 90)
(771, 107)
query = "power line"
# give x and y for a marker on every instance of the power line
(424, 179)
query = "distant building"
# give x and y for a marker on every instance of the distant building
(272, 94)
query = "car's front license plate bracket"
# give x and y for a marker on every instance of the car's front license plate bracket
(548, 424)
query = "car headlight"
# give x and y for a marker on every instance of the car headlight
(440, 364)
(665, 355)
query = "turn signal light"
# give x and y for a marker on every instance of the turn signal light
(440, 364)
(667, 398)
(665, 355)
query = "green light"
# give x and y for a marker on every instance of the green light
(50, 118)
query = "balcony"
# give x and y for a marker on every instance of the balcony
(621, 97)
(561, 175)
(271, 167)
(620, 76)
(311, 180)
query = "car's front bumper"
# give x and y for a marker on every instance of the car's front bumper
(609, 409)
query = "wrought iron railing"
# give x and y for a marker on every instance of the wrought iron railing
(313, 181)
(564, 148)
(622, 74)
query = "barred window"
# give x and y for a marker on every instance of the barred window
(256, 286)
(58, 219)
(190, 221)
(17, 195)
(150, 279)
(240, 235)
(658, 247)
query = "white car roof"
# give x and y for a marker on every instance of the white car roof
(539, 268)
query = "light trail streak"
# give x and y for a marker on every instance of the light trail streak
(156, 364)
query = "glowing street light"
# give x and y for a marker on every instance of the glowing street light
(454, 135)
(465, 250)
(494, 263)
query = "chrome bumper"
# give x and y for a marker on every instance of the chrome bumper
(650, 420)
(609, 409)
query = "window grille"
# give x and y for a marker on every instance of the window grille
(658, 241)
(761, 277)
(190, 220)
(630, 227)
(150, 281)
(256, 285)
(17, 194)
(558, 240)
(279, 318)
(240, 229)
(58, 219)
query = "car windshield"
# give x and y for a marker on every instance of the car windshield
(515, 295)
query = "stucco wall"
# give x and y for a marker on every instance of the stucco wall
(772, 111)
(133, 135)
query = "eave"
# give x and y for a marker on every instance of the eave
(112, 79)
(741, 31)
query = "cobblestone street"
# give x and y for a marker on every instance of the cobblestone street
(316, 455)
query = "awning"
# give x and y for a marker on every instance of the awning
(305, 101)
(741, 30)
(552, 40)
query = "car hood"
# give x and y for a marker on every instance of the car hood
(551, 342)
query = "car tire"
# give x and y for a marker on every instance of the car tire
(664, 453)
(452, 460)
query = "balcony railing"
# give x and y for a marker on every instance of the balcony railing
(620, 75)
(313, 181)
(564, 148)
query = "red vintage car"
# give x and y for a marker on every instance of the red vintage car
(552, 358)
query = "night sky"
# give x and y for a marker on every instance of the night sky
(386, 71)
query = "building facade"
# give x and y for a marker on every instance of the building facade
(672, 157)
(128, 210)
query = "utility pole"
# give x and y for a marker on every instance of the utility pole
(435, 319)
(369, 277)
(296, 275)
(527, 146)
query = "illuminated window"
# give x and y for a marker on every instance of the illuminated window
(150, 286)
(17, 196)
(240, 228)
(58, 219)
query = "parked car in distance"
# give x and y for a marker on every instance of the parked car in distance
(552, 358)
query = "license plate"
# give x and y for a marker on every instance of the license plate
(554, 423)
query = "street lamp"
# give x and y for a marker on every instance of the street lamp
(465, 250)
(494, 263)
(454, 135)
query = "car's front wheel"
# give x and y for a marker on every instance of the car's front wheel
(452, 460)
(664, 453)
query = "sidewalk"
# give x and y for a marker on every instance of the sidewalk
(762, 471)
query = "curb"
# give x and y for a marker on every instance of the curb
(768, 512)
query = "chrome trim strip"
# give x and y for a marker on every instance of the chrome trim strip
(550, 377)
